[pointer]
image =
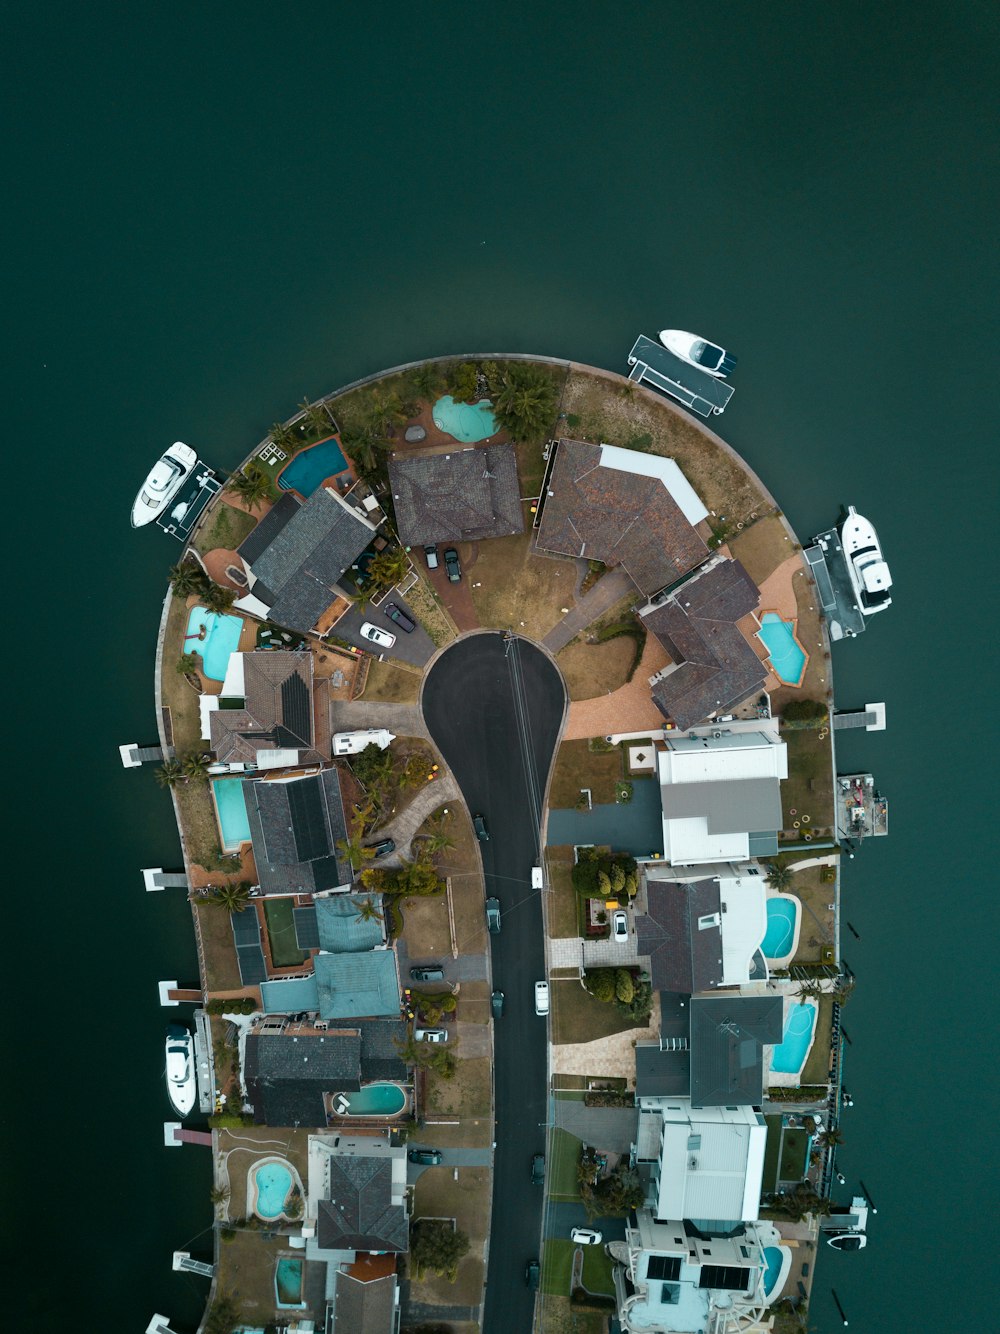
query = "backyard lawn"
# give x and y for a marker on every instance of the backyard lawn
(519, 591)
(387, 683)
(561, 902)
(285, 953)
(199, 826)
(578, 1017)
(228, 528)
(816, 931)
(177, 695)
(808, 789)
(577, 766)
(817, 1067)
(220, 948)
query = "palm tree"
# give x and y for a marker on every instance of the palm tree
(318, 417)
(252, 485)
(832, 1137)
(367, 911)
(234, 898)
(195, 765)
(170, 773)
(426, 381)
(434, 843)
(362, 444)
(218, 599)
(219, 1194)
(804, 1200)
(384, 411)
(281, 435)
(844, 989)
(187, 664)
(389, 567)
(809, 989)
(526, 402)
(187, 578)
(353, 850)
(778, 877)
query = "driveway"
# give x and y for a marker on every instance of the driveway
(494, 708)
(416, 648)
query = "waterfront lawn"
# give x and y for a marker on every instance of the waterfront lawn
(221, 967)
(817, 920)
(562, 1165)
(389, 684)
(793, 1163)
(518, 590)
(761, 547)
(280, 923)
(199, 825)
(772, 1154)
(246, 1272)
(596, 669)
(576, 767)
(578, 1017)
(228, 528)
(817, 1067)
(561, 900)
(437, 1194)
(809, 632)
(808, 789)
(177, 696)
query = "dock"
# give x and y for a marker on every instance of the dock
(871, 718)
(132, 755)
(160, 1324)
(174, 1135)
(155, 878)
(186, 506)
(203, 1062)
(861, 811)
(652, 364)
(184, 1264)
(836, 592)
(172, 994)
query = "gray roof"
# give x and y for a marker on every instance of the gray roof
(381, 1040)
(357, 986)
(661, 1073)
(277, 712)
(301, 566)
(697, 624)
(683, 956)
(620, 518)
(287, 1075)
(269, 526)
(747, 805)
(463, 496)
(341, 928)
(728, 1034)
(295, 827)
(365, 1307)
(609, 1128)
(360, 1215)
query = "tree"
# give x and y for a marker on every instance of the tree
(624, 986)
(234, 898)
(352, 850)
(426, 381)
(389, 567)
(435, 1244)
(373, 765)
(195, 764)
(429, 1056)
(802, 1201)
(218, 599)
(844, 988)
(170, 773)
(462, 381)
(362, 444)
(831, 1137)
(804, 710)
(526, 402)
(384, 411)
(219, 1194)
(603, 884)
(617, 878)
(600, 982)
(435, 842)
(318, 420)
(778, 876)
(188, 663)
(224, 1315)
(809, 989)
(252, 485)
(367, 910)
(187, 578)
(281, 435)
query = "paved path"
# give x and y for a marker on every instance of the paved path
(403, 826)
(608, 590)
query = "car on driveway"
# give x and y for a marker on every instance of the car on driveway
(451, 564)
(493, 916)
(538, 1169)
(431, 557)
(496, 1004)
(541, 998)
(399, 616)
(382, 848)
(430, 1034)
(619, 927)
(532, 1270)
(479, 825)
(429, 972)
(426, 1157)
(376, 636)
(586, 1236)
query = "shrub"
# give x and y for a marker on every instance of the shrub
(624, 986)
(803, 710)
(461, 381)
(600, 982)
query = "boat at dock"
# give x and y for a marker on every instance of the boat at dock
(696, 351)
(866, 565)
(165, 479)
(182, 1080)
(848, 1241)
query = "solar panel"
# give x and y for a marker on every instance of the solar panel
(731, 1277)
(252, 967)
(305, 804)
(296, 708)
(664, 1266)
(306, 928)
(246, 927)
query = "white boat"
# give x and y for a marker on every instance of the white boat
(869, 573)
(848, 1241)
(182, 1081)
(708, 357)
(165, 479)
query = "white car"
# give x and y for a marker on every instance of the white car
(541, 998)
(586, 1236)
(430, 1034)
(619, 927)
(381, 637)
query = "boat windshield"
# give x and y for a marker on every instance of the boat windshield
(707, 354)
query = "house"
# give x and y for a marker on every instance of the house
(720, 796)
(357, 1196)
(622, 507)
(463, 496)
(341, 923)
(357, 986)
(263, 717)
(295, 826)
(296, 556)
(367, 1302)
(714, 665)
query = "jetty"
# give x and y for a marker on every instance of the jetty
(860, 809)
(871, 718)
(185, 1265)
(652, 364)
(186, 506)
(132, 755)
(833, 583)
(155, 878)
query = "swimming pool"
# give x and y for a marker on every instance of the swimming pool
(232, 812)
(779, 940)
(776, 1270)
(788, 657)
(288, 1282)
(215, 637)
(467, 422)
(273, 1180)
(790, 1054)
(310, 468)
(383, 1099)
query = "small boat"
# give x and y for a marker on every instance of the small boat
(869, 573)
(182, 1081)
(708, 357)
(848, 1241)
(165, 479)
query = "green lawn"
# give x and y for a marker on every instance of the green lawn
(794, 1144)
(772, 1152)
(561, 1168)
(808, 789)
(578, 1017)
(228, 528)
(597, 1267)
(557, 1266)
(285, 953)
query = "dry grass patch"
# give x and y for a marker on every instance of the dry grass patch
(246, 1273)
(474, 1002)
(467, 1095)
(438, 1194)
(461, 864)
(761, 548)
(808, 789)
(466, 1135)
(431, 613)
(389, 684)
(199, 825)
(562, 897)
(229, 527)
(817, 918)
(425, 927)
(518, 590)
(559, 1316)
(596, 669)
(809, 631)
(177, 695)
(577, 766)
(578, 1017)
(221, 966)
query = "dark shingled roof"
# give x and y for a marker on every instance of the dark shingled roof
(663, 1068)
(277, 712)
(459, 497)
(304, 560)
(697, 625)
(620, 518)
(360, 1215)
(269, 526)
(295, 827)
(286, 1075)
(728, 1034)
(365, 1307)
(380, 1043)
(682, 955)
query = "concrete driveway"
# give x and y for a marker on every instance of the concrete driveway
(416, 648)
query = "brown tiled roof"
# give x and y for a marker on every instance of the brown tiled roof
(463, 496)
(620, 518)
(364, 1306)
(697, 625)
(277, 712)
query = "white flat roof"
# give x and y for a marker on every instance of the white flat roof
(233, 685)
(653, 465)
(724, 759)
(711, 1162)
(207, 705)
(688, 842)
(744, 924)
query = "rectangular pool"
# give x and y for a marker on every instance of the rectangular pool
(232, 812)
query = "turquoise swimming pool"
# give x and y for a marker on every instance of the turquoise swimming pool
(788, 657)
(274, 1183)
(790, 1054)
(288, 1282)
(213, 636)
(467, 422)
(780, 935)
(373, 1100)
(310, 468)
(773, 1260)
(232, 812)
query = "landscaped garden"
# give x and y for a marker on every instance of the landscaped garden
(577, 1016)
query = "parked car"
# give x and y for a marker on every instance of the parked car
(451, 564)
(619, 927)
(541, 998)
(431, 557)
(586, 1236)
(430, 972)
(400, 617)
(538, 1169)
(381, 637)
(426, 1157)
(496, 1004)
(532, 1270)
(479, 825)
(430, 1034)
(493, 916)
(382, 848)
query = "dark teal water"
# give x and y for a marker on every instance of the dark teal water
(212, 211)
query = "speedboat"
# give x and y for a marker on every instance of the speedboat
(181, 1076)
(869, 573)
(165, 479)
(848, 1241)
(708, 357)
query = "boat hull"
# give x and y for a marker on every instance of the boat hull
(698, 352)
(182, 1081)
(866, 566)
(162, 483)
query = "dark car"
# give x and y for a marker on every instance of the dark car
(382, 848)
(426, 1157)
(431, 557)
(479, 825)
(400, 617)
(532, 1270)
(493, 916)
(538, 1169)
(451, 564)
(496, 1004)
(431, 972)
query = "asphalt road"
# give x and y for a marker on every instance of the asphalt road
(494, 708)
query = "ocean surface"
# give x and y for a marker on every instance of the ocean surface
(214, 211)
